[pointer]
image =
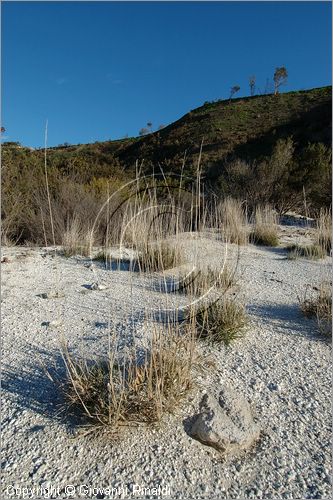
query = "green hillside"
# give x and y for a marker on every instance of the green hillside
(267, 148)
(246, 128)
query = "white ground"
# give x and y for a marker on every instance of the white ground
(282, 366)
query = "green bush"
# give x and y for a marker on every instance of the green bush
(221, 321)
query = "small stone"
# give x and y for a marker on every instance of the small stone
(102, 287)
(53, 294)
(97, 286)
(54, 323)
(273, 387)
(253, 382)
(5, 260)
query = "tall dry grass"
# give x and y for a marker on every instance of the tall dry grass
(313, 252)
(319, 305)
(159, 257)
(205, 279)
(324, 230)
(265, 221)
(232, 214)
(77, 239)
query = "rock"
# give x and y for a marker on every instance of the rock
(102, 287)
(53, 294)
(273, 387)
(90, 266)
(225, 424)
(5, 260)
(54, 323)
(97, 286)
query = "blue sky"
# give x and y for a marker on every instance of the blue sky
(101, 70)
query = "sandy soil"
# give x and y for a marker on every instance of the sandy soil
(282, 366)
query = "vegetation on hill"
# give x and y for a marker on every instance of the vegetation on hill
(262, 149)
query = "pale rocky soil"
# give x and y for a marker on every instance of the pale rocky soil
(282, 367)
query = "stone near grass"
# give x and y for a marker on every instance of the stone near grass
(225, 424)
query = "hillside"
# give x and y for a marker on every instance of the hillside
(244, 128)
(261, 149)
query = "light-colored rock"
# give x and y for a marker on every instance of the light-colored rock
(54, 323)
(53, 294)
(97, 286)
(225, 424)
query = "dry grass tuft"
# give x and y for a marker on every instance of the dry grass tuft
(111, 393)
(76, 239)
(265, 227)
(221, 321)
(205, 279)
(159, 257)
(324, 230)
(319, 307)
(234, 222)
(313, 252)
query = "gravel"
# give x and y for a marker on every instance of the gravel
(282, 367)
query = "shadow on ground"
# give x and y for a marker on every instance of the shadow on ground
(32, 383)
(116, 264)
(280, 252)
(37, 383)
(288, 320)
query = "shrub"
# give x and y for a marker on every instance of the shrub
(112, 393)
(265, 227)
(320, 307)
(313, 252)
(221, 321)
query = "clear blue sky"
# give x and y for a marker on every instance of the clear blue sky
(101, 70)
